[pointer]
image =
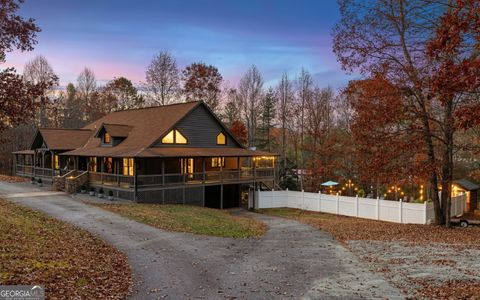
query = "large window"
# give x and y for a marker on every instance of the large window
(218, 161)
(107, 138)
(221, 139)
(56, 162)
(174, 137)
(92, 164)
(128, 166)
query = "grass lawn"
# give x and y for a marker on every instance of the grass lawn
(70, 262)
(349, 228)
(193, 219)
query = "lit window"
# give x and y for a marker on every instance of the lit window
(179, 138)
(106, 138)
(128, 166)
(92, 164)
(56, 162)
(218, 161)
(174, 137)
(169, 138)
(221, 139)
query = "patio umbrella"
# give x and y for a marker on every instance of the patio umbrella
(329, 183)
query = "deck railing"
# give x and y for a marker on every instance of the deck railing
(28, 170)
(226, 176)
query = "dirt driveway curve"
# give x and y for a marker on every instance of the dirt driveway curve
(291, 260)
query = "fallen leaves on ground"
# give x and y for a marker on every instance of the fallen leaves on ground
(186, 218)
(12, 179)
(452, 289)
(349, 228)
(70, 262)
(459, 240)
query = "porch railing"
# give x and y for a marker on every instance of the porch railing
(28, 170)
(179, 179)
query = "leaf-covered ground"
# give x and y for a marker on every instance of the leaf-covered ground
(68, 261)
(426, 262)
(12, 179)
(193, 219)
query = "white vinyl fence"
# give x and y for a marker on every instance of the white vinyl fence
(375, 209)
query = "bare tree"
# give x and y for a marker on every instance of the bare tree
(250, 93)
(86, 87)
(39, 71)
(285, 98)
(304, 94)
(163, 78)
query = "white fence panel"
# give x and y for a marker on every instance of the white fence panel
(346, 206)
(389, 211)
(392, 211)
(413, 213)
(328, 203)
(367, 208)
(310, 201)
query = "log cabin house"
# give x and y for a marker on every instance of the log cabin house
(180, 153)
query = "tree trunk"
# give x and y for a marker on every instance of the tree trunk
(447, 165)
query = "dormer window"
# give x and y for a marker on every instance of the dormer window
(221, 139)
(174, 137)
(107, 139)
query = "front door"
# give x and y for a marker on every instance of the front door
(188, 167)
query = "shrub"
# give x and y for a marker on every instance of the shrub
(83, 188)
(92, 189)
(100, 191)
(110, 193)
(39, 180)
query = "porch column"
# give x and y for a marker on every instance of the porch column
(221, 196)
(163, 171)
(221, 182)
(135, 191)
(203, 170)
(34, 162)
(118, 172)
(238, 168)
(52, 160)
(102, 166)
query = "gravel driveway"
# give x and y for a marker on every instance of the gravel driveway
(291, 260)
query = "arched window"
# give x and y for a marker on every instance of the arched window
(174, 137)
(221, 139)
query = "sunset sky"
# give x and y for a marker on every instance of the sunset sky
(119, 38)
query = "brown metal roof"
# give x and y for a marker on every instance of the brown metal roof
(64, 139)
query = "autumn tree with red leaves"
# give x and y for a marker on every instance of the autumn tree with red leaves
(17, 96)
(394, 39)
(202, 82)
(239, 130)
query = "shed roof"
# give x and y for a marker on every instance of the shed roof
(466, 184)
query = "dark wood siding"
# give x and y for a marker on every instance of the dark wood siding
(201, 130)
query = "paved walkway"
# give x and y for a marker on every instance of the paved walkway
(292, 260)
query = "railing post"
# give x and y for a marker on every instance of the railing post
(425, 209)
(377, 214)
(356, 206)
(303, 199)
(319, 201)
(338, 203)
(400, 211)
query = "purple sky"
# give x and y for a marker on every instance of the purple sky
(119, 38)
